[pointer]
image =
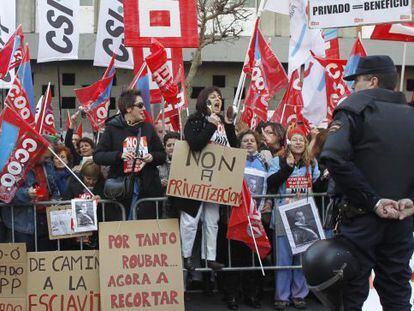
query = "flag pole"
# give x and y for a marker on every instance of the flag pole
(236, 101)
(163, 114)
(68, 168)
(403, 67)
(255, 245)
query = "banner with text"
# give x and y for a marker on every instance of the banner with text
(59, 26)
(141, 265)
(13, 276)
(214, 174)
(349, 13)
(67, 280)
(110, 36)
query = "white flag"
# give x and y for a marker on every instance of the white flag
(7, 27)
(302, 39)
(277, 6)
(110, 36)
(58, 30)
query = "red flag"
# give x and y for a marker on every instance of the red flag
(67, 120)
(45, 121)
(247, 116)
(357, 52)
(18, 100)
(239, 229)
(394, 32)
(12, 53)
(21, 148)
(79, 130)
(95, 98)
(336, 88)
(157, 63)
(292, 102)
(331, 43)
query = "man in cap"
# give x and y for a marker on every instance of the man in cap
(369, 153)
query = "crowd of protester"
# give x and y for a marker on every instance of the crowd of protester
(277, 153)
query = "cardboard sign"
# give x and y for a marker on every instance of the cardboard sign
(214, 174)
(13, 259)
(141, 265)
(63, 281)
(349, 13)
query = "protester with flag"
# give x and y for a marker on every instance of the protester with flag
(126, 133)
(86, 150)
(291, 172)
(72, 138)
(241, 254)
(205, 126)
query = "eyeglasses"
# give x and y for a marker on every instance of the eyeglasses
(138, 105)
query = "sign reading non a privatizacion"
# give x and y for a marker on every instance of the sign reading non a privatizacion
(349, 13)
(13, 259)
(141, 266)
(63, 280)
(214, 174)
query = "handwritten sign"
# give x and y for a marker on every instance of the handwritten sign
(63, 281)
(13, 258)
(213, 175)
(141, 265)
(341, 13)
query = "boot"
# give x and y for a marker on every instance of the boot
(214, 265)
(188, 264)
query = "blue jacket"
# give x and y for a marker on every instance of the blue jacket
(279, 166)
(23, 210)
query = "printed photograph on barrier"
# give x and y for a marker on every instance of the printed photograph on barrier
(84, 215)
(302, 224)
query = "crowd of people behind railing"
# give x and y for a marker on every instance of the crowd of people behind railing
(279, 161)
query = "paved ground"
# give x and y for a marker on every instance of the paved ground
(200, 302)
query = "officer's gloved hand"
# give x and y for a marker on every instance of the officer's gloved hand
(387, 208)
(406, 208)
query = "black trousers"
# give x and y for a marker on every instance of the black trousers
(385, 246)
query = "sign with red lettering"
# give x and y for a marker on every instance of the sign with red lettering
(13, 276)
(63, 281)
(172, 22)
(141, 266)
(214, 174)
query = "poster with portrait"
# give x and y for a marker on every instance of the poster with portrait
(256, 181)
(84, 215)
(302, 224)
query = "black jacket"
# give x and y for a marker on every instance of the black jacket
(109, 151)
(68, 143)
(75, 188)
(198, 132)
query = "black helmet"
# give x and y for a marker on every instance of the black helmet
(327, 265)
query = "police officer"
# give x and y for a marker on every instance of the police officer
(369, 153)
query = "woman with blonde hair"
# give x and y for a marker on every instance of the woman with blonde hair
(292, 172)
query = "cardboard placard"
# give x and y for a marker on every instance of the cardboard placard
(63, 280)
(58, 222)
(141, 266)
(349, 13)
(13, 276)
(214, 174)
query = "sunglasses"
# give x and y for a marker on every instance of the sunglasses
(139, 105)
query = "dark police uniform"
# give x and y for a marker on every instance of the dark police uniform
(369, 153)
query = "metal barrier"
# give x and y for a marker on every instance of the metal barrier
(101, 203)
(323, 197)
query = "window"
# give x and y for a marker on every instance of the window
(68, 103)
(243, 92)
(114, 81)
(68, 79)
(44, 88)
(219, 81)
(410, 85)
(196, 91)
(112, 104)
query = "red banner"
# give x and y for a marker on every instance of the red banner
(45, 121)
(394, 32)
(18, 101)
(161, 74)
(172, 22)
(239, 228)
(21, 148)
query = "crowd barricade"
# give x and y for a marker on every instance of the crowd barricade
(103, 204)
(323, 213)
